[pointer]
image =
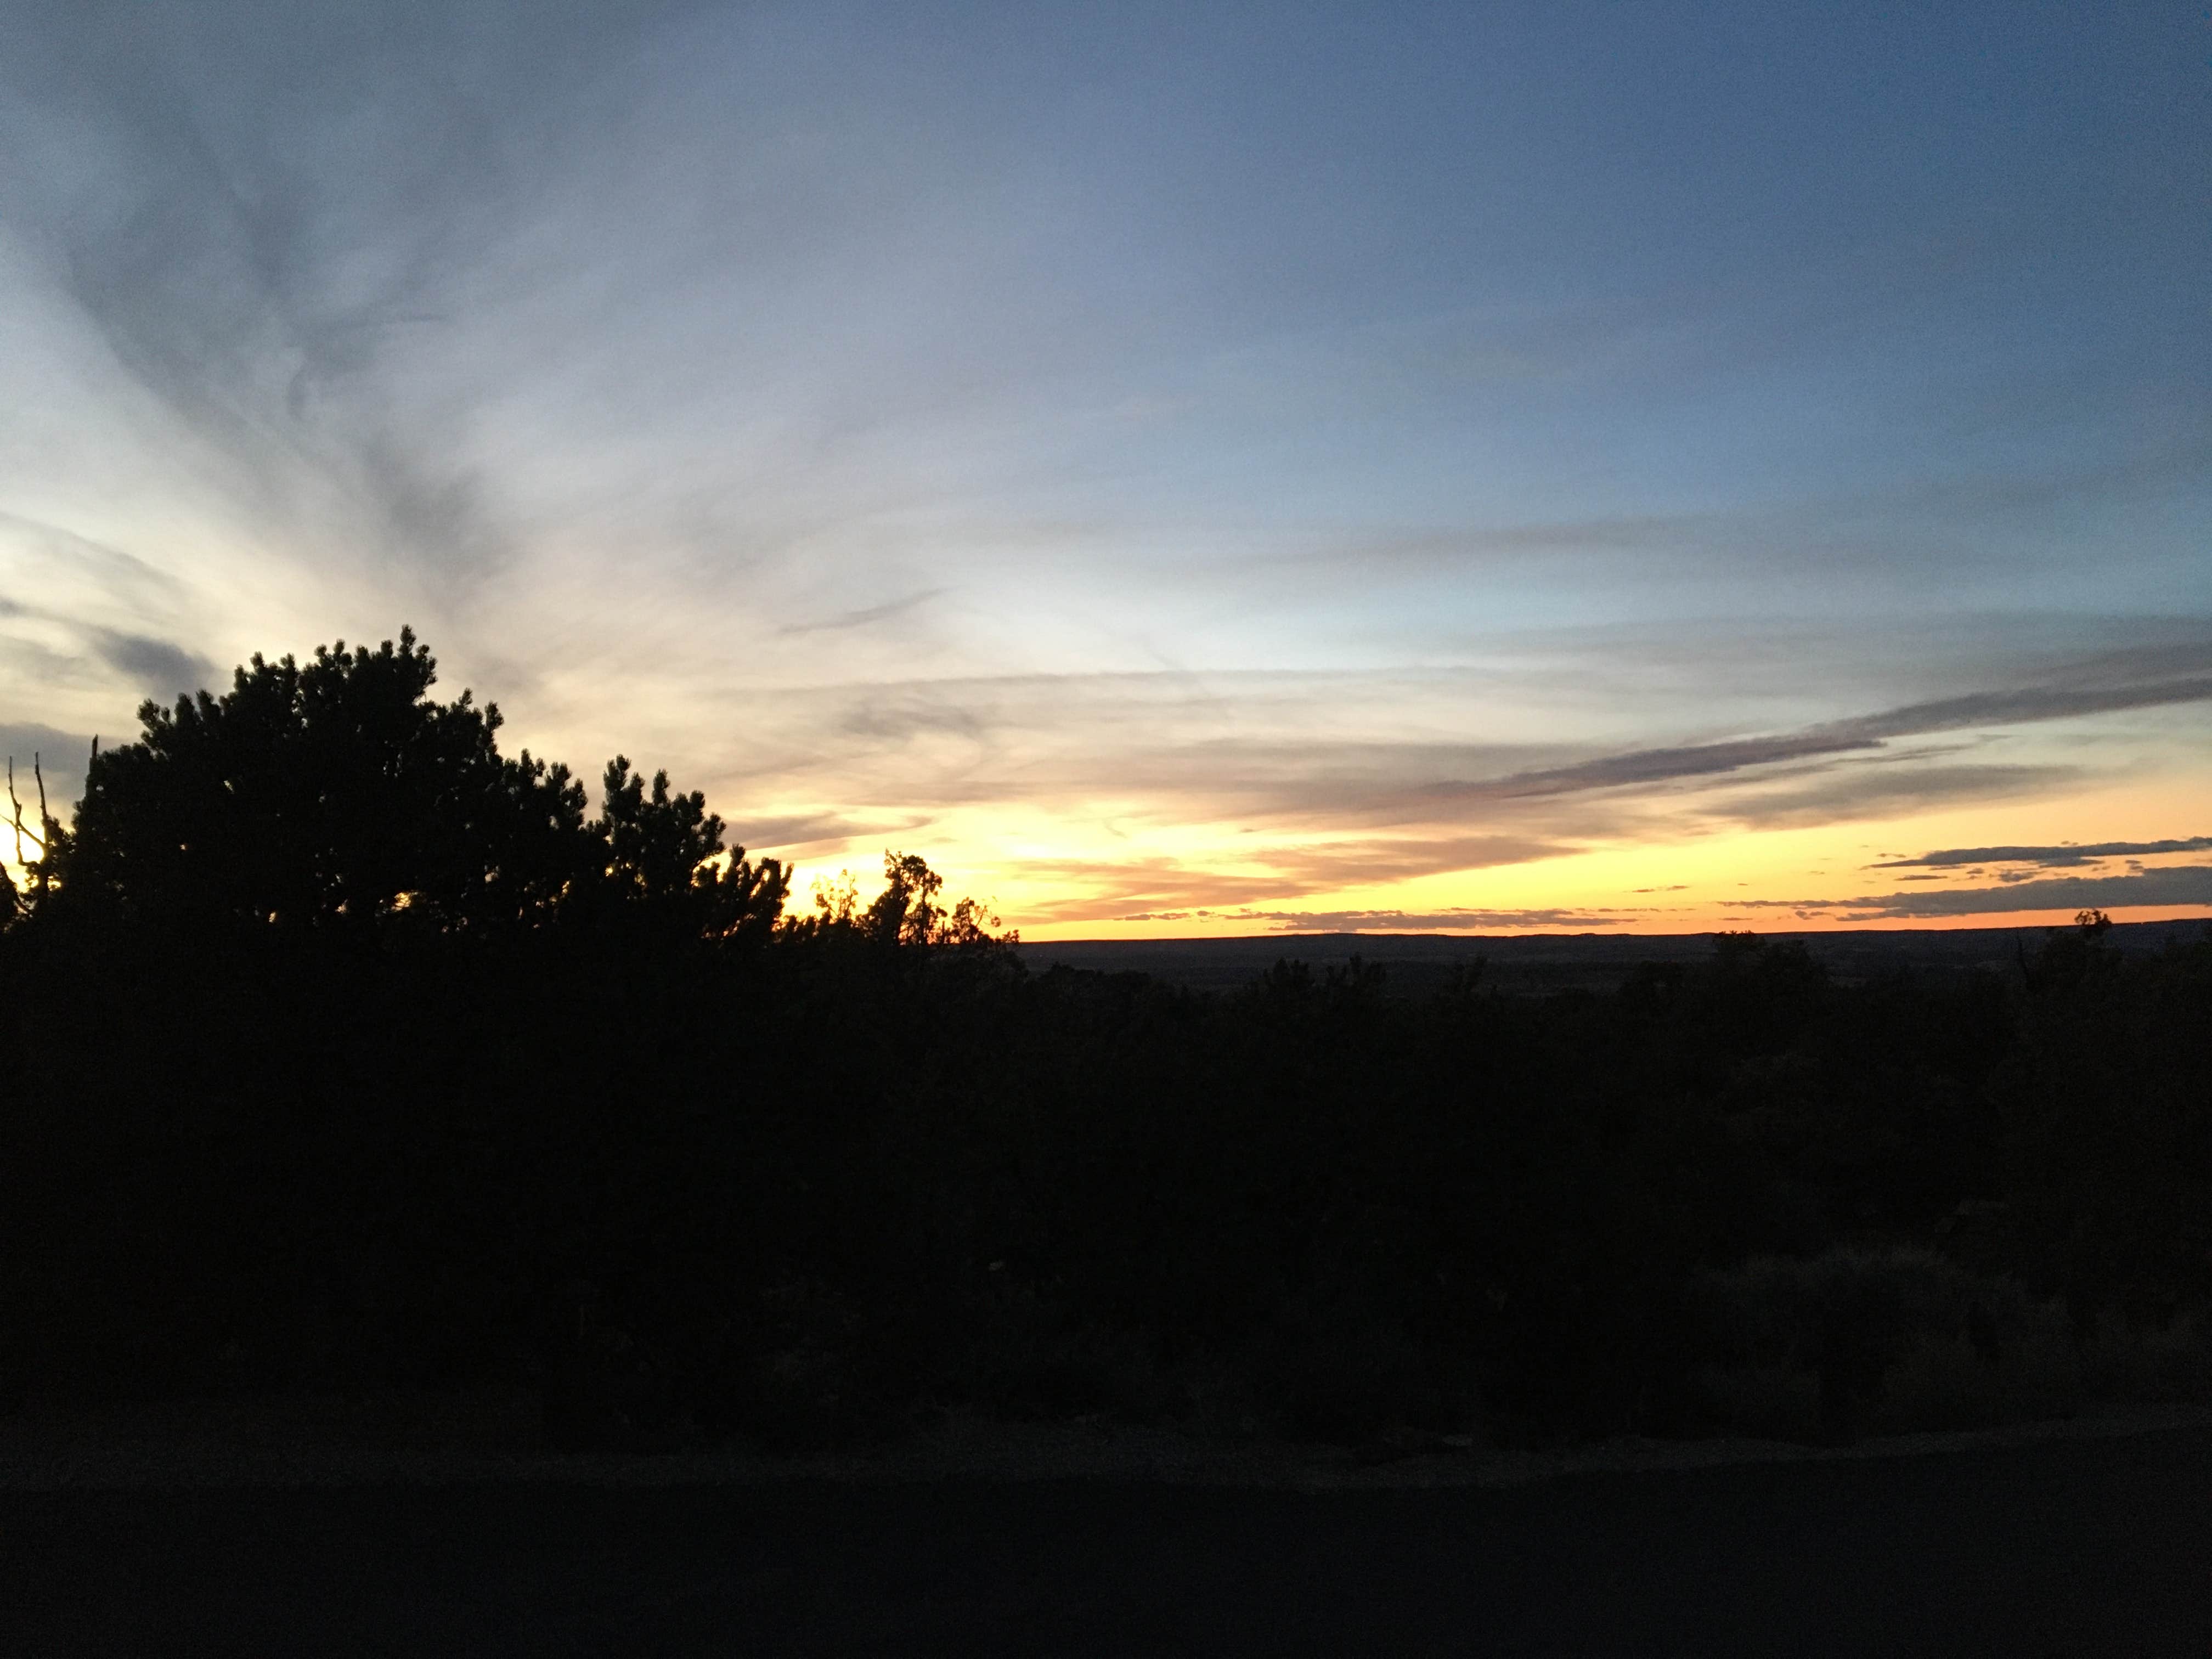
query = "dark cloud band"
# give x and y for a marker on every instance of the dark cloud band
(2181, 885)
(2048, 858)
(2016, 707)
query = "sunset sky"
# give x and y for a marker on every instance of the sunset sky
(1182, 469)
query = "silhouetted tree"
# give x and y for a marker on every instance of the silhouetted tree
(339, 793)
(664, 851)
(325, 794)
(906, 913)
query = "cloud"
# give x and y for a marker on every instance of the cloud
(2047, 858)
(429, 512)
(2174, 885)
(1751, 532)
(798, 832)
(1097, 891)
(1398, 857)
(866, 616)
(2012, 706)
(161, 669)
(1455, 544)
(1454, 921)
(2024, 704)
(1102, 890)
(897, 718)
(263, 219)
(1857, 789)
(150, 665)
(54, 557)
(1273, 747)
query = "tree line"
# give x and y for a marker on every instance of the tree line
(349, 1052)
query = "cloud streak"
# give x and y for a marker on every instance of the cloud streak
(1459, 919)
(866, 616)
(2048, 858)
(1975, 710)
(2174, 885)
(163, 669)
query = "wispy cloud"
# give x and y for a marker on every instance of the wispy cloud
(2048, 858)
(57, 563)
(866, 616)
(801, 833)
(1852, 790)
(2181, 885)
(1101, 889)
(163, 669)
(1275, 745)
(2013, 705)
(1454, 921)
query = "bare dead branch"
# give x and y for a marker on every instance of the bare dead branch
(17, 807)
(46, 826)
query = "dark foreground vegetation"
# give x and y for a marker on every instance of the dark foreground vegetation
(2064, 1547)
(349, 1053)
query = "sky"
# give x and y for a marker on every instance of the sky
(1182, 470)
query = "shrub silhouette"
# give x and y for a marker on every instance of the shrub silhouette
(1898, 1337)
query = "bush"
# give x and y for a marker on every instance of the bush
(2168, 1361)
(1884, 1340)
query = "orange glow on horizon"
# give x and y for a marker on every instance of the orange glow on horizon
(1067, 880)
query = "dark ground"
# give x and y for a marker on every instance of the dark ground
(2065, 1547)
(1417, 964)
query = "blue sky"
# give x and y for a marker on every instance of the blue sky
(1181, 469)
